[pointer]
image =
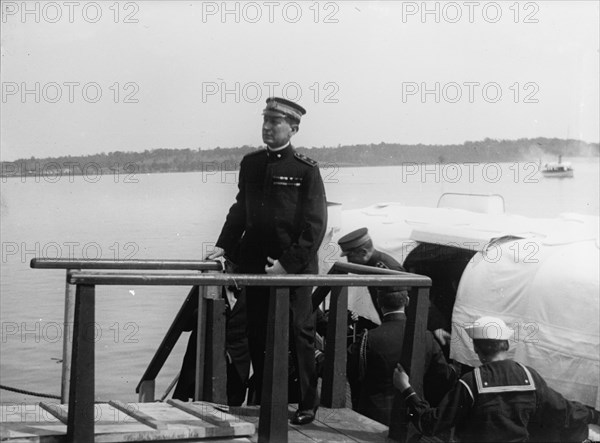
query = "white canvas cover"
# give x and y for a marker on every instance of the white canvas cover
(549, 294)
(541, 276)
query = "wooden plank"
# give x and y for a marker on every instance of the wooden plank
(133, 411)
(230, 424)
(80, 423)
(105, 263)
(333, 393)
(193, 278)
(26, 432)
(354, 426)
(116, 422)
(198, 409)
(272, 425)
(56, 410)
(21, 413)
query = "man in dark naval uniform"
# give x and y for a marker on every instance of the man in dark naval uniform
(501, 400)
(372, 359)
(358, 247)
(276, 226)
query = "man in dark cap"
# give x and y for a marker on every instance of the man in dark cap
(357, 246)
(276, 225)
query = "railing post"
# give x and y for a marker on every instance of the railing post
(80, 422)
(333, 391)
(272, 425)
(215, 376)
(200, 345)
(414, 352)
(67, 339)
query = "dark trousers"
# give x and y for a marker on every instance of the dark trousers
(302, 340)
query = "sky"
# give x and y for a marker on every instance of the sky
(88, 77)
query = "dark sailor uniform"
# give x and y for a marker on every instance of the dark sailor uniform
(280, 212)
(371, 363)
(503, 401)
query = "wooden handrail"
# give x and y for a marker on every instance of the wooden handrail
(159, 265)
(194, 279)
(111, 264)
(273, 414)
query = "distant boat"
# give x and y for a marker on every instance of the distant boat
(558, 169)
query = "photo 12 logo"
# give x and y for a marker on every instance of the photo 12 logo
(72, 250)
(69, 12)
(254, 92)
(69, 91)
(470, 12)
(469, 92)
(270, 12)
(53, 171)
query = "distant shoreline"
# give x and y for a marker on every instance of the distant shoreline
(227, 159)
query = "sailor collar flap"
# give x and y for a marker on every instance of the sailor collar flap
(485, 385)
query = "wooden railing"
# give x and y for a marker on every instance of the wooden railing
(273, 411)
(146, 389)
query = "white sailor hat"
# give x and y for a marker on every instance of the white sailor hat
(489, 328)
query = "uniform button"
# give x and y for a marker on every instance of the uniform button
(278, 155)
(526, 381)
(485, 383)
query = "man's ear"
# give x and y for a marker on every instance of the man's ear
(295, 128)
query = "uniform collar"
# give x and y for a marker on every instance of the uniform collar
(280, 153)
(374, 258)
(281, 148)
(394, 316)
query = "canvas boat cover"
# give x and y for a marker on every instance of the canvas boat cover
(541, 276)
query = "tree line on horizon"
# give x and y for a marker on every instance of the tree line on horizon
(388, 154)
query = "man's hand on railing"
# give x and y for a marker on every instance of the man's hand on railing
(275, 267)
(215, 254)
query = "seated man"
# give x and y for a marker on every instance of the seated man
(501, 400)
(372, 359)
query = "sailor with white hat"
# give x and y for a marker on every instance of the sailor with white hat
(501, 400)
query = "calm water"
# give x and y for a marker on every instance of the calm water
(176, 216)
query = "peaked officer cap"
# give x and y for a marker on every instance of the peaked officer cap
(353, 240)
(280, 107)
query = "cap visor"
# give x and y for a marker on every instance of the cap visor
(273, 113)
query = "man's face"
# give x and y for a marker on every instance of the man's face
(359, 256)
(276, 131)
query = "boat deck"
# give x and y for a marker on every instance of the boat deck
(178, 421)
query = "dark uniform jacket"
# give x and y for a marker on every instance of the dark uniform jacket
(503, 401)
(280, 212)
(371, 364)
